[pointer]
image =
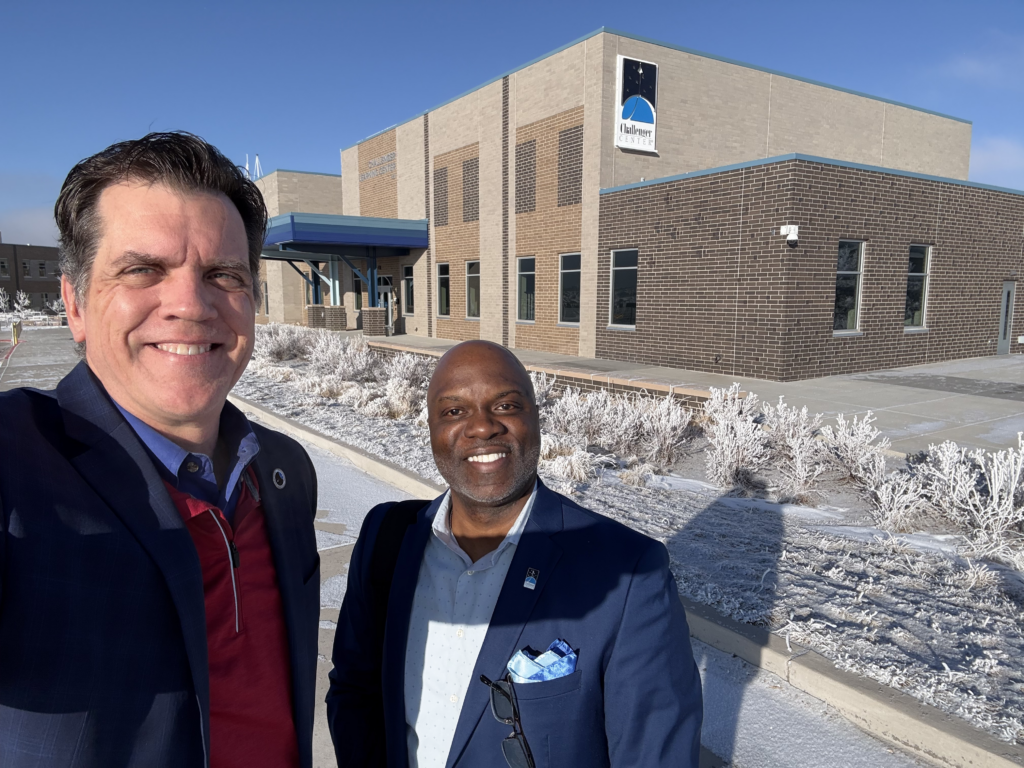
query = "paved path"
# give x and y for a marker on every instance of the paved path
(977, 402)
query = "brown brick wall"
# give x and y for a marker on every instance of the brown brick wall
(456, 241)
(378, 177)
(547, 229)
(718, 291)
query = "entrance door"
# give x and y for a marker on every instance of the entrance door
(1006, 318)
(385, 298)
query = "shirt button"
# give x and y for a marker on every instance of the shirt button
(454, 698)
(192, 466)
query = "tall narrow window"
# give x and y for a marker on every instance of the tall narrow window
(357, 287)
(407, 290)
(41, 268)
(527, 289)
(569, 288)
(443, 291)
(26, 269)
(917, 286)
(3, 268)
(266, 298)
(624, 281)
(472, 289)
(848, 268)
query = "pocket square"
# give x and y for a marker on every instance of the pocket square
(559, 660)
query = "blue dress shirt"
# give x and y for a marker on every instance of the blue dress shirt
(192, 473)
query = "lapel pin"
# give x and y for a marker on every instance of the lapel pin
(532, 574)
(279, 479)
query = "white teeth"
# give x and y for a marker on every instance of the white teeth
(185, 349)
(488, 457)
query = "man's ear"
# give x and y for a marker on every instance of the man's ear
(74, 310)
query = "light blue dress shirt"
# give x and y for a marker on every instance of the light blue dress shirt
(451, 612)
(192, 473)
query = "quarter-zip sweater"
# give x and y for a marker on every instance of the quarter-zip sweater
(251, 720)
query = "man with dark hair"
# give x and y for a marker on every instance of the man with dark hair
(502, 622)
(159, 580)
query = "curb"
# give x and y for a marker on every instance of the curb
(883, 712)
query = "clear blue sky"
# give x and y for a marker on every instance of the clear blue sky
(297, 82)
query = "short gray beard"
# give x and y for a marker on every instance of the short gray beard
(526, 475)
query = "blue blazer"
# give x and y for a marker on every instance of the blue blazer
(634, 699)
(103, 657)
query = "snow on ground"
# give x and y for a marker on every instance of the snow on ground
(899, 610)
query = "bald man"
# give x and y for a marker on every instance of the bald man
(502, 622)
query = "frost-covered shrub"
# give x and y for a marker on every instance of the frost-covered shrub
(855, 447)
(738, 445)
(414, 370)
(403, 398)
(792, 439)
(577, 466)
(543, 389)
(667, 428)
(276, 342)
(637, 475)
(898, 501)
(559, 445)
(350, 359)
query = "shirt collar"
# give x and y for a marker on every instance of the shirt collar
(442, 530)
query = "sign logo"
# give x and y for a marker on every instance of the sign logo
(532, 574)
(636, 116)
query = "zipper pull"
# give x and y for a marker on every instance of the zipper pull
(235, 558)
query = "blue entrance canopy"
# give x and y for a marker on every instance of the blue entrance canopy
(311, 232)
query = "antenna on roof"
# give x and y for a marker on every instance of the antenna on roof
(247, 166)
(258, 171)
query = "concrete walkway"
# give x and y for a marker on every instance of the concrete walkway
(977, 402)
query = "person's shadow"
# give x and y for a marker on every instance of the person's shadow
(726, 559)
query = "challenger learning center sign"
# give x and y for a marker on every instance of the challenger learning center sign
(636, 114)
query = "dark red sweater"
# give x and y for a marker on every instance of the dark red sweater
(251, 721)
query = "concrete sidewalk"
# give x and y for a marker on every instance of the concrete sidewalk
(977, 403)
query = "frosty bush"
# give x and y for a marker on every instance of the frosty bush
(792, 439)
(552, 446)
(350, 359)
(22, 302)
(543, 389)
(577, 466)
(415, 370)
(637, 475)
(738, 445)
(276, 342)
(898, 501)
(855, 447)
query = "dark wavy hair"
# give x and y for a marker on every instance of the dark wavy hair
(178, 159)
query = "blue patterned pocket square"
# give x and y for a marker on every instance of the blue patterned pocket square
(559, 660)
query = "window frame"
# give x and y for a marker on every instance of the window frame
(861, 246)
(408, 290)
(561, 272)
(266, 298)
(357, 291)
(476, 317)
(519, 300)
(448, 281)
(924, 292)
(611, 287)
(4, 269)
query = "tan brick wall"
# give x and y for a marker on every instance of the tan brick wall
(308, 192)
(545, 233)
(455, 244)
(596, 132)
(378, 194)
(350, 180)
(409, 152)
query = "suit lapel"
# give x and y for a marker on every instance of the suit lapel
(396, 633)
(512, 611)
(120, 471)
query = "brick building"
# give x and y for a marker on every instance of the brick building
(623, 198)
(30, 268)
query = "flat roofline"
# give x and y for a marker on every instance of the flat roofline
(672, 46)
(809, 159)
(308, 173)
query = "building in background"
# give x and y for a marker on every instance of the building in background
(30, 268)
(624, 198)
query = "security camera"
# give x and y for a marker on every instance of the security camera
(792, 233)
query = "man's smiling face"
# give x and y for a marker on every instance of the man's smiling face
(168, 316)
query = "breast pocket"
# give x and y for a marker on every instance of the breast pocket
(557, 687)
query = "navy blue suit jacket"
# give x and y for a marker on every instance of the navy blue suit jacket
(634, 699)
(103, 657)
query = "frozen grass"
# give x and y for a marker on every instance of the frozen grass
(739, 447)
(944, 629)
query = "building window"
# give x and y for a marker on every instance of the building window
(848, 268)
(443, 291)
(26, 269)
(471, 189)
(472, 289)
(569, 288)
(266, 298)
(41, 268)
(53, 268)
(357, 287)
(407, 290)
(527, 288)
(624, 281)
(570, 166)
(440, 197)
(917, 286)
(526, 176)
(3, 268)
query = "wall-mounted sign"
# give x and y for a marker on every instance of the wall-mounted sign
(379, 166)
(636, 112)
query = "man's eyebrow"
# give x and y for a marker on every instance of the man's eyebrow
(136, 258)
(455, 398)
(509, 392)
